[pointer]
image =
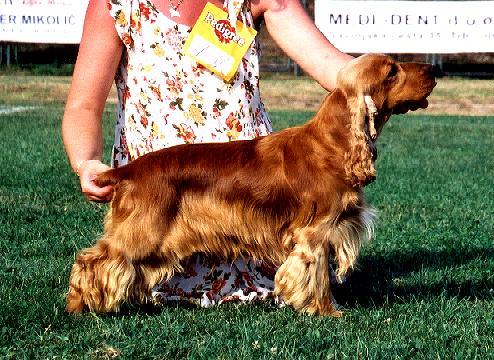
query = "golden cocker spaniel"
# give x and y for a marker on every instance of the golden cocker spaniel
(293, 198)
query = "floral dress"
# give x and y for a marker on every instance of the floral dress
(166, 99)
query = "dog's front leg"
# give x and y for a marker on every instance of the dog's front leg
(303, 280)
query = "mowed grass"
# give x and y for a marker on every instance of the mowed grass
(424, 287)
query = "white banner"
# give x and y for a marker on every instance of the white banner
(407, 26)
(42, 21)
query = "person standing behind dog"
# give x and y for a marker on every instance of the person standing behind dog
(166, 98)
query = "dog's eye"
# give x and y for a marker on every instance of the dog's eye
(393, 71)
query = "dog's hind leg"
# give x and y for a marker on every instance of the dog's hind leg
(109, 274)
(142, 246)
(126, 263)
(100, 279)
(303, 280)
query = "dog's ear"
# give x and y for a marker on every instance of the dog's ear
(359, 161)
(357, 83)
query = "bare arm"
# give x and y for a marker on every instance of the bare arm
(296, 34)
(99, 55)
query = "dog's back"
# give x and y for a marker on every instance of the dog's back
(216, 158)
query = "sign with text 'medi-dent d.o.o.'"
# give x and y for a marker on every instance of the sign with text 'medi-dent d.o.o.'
(407, 26)
(42, 21)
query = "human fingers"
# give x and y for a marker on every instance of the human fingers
(88, 171)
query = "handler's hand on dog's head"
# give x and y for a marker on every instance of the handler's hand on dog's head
(88, 171)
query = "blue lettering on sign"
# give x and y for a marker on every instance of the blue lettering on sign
(366, 19)
(338, 19)
(42, 20)
(398, 19)
(26, 19)
(425, 19)
(7, 19)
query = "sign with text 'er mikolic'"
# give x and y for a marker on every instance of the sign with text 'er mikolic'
(42, 21)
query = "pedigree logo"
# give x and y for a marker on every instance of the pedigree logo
(223, 30)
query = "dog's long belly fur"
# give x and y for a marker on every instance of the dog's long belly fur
(210, 225)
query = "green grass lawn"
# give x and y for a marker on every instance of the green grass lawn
(424, 288)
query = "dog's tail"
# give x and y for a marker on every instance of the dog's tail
(110, 177)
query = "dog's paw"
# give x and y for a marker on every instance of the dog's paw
(303, 282)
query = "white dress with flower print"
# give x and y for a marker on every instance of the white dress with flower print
(166, 99)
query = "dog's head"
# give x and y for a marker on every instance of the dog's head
(376, 87)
